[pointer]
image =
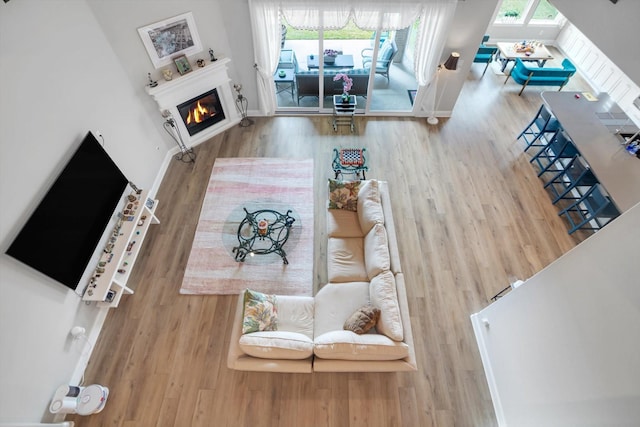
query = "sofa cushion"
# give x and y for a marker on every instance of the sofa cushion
(376, 251)
(341, 223)
(347, 345)
(363, 320)
(260, 312)
(346, 260)
(277, 345)
(383, 294)
(369, 206)
(335, 302)
(295, 314)
(343, 194)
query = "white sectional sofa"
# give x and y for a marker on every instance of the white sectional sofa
(363, 268)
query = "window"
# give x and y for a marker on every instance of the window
(512, 10)
(545, 12)
(527, 11)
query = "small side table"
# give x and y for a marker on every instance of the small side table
(351, 161)
(343, 112)
(285, 83)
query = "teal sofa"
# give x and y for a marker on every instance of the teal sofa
(536, 76)
(307, 82)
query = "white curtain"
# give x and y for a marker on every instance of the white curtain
(436, 17)
(311, 15)
(368, 15)
(385, 14)
(265, 22)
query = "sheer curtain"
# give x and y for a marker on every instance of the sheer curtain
(312, 15)
(435, 18)
(387, 15)
(265, 23)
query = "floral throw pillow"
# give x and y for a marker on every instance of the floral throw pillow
(343, 194)
(260, 312)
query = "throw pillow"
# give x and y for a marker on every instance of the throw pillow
(362, 320)
(343, 194)
(383, 294)
(260, 312)
(369, 205)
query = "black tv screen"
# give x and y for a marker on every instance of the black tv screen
(61, 235)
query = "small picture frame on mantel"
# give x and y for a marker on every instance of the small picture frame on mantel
(182, 64)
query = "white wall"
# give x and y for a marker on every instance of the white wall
(613, 28)
(562, 349)
(468, 27)
(59, 79)
(120, 19)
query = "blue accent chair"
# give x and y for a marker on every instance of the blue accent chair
(485, 54)
(541, 76)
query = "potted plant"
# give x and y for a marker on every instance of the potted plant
(330, 55)
(346, 86)
(511, 15)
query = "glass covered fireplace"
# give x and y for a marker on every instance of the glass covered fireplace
(201, 112)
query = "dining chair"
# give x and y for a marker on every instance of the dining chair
(592, 211)
(550, 157)
(543, 123)
(573, 181)
(484, 55)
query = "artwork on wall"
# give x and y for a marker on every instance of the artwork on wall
(182, 64)
(169, 38)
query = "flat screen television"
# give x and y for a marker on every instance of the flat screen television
(63, 232)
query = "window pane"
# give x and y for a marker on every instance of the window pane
(545, 11)
(511, 10)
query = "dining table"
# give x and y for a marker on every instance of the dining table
(594, 122)
(507, 52)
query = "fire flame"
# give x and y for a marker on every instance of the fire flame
(197, 115)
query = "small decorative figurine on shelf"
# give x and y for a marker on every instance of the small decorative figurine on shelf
(167, 74)
(200, 63)
(242, 104)
(152, 83)
(213, 58)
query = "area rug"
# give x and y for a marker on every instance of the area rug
(253, 184)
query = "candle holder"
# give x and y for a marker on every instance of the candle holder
(242, 104)
(186, 154)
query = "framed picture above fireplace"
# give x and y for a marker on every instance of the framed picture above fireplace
(166, 39)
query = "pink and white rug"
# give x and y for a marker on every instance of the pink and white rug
(253, 183)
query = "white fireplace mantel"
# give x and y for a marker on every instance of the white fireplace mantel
(170, 94)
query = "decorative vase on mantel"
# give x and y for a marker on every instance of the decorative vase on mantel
(345, 97)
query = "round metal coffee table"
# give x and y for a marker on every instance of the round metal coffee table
(263, 232)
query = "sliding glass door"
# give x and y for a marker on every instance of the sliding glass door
(313, 65)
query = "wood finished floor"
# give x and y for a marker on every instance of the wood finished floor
(471, 216)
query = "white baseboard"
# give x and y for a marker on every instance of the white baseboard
(479, 329)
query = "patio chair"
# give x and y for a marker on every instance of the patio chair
(385, 56)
